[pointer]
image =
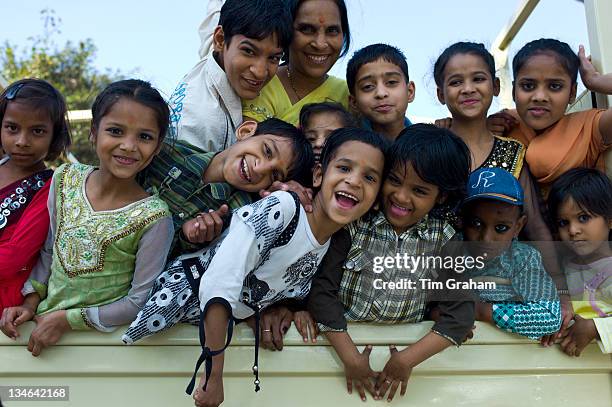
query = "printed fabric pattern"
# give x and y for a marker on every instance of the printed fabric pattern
(173, 300)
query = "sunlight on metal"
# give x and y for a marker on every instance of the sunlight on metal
(78, 116)
(507, 34)
(500, 47)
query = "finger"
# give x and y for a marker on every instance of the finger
(263, 193)
(266, 334)
(36, 348)
(297, 320)
(393, 390)
(349, 385)
(314, 330)
(10, 331)
(380, 382)
(8, 325)
(21, 318)
(302, 328)
(370, 388)
(285, 323)
(31, 344)
(392, 349)
(564, 326)
(360, 390)
(277, 335)
(199, 229)
(404, 387)
(546, 340)
(384, 386)
(304, 199)
(189, 232)
(367, 350)
(222, 211)
(266, 340)
(210, 227)
(565, 342)
(218, 224)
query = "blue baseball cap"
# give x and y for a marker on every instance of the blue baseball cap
(496, 184)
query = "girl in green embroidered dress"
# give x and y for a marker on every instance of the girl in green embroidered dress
(108, 238)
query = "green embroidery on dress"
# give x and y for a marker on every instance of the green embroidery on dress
(84, 235)
(260, 111)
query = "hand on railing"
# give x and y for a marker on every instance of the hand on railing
(359, 373)
(274, 323)
(395, 374)
(592, 79)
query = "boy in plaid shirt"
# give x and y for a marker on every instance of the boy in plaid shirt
(427, 168)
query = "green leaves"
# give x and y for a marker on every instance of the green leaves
(70, 68)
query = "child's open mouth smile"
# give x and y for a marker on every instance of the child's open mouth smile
(123, 160)
(398, 211)
(346, 200)
(243, 170)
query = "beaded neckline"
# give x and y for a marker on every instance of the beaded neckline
(16, 201)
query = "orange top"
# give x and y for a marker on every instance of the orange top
(574, 141)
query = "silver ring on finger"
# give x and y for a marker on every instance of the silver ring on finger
(267, 330)
(388, 381)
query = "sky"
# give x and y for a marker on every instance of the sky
(157, 40)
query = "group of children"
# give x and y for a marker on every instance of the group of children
(172, 229)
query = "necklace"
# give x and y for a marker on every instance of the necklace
(292, 85)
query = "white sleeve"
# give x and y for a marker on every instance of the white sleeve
(153, 249)
(208, 25)
(253, 232)
(42, 270)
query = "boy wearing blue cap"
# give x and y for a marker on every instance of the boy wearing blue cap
(524, 299)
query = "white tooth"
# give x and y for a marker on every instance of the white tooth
(245, 168)
(353, 197)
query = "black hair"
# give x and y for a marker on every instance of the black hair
(591, 189)
(340, 136)
(258, 19)
(138, 91)
(294, 7)
(39, 95)
(373, 53)
(559, 49)
(438, 156)
(472, 48)
(303, 157)
(310, 109)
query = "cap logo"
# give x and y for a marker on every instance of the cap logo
(484, 178)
